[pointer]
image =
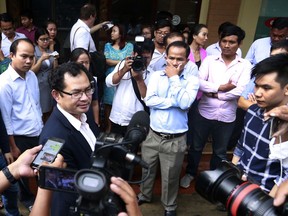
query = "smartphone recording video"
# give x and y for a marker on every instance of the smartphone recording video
(49, 151)
(57, 179)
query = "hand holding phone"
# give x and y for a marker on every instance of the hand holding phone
(49, 151)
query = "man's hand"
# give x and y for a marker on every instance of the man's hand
(281, 112)
(252, 98)
(128, 64)
(21, 167)
(170, 70)
(9, 158)
(226, 87)
(127, 194)
(281, 194)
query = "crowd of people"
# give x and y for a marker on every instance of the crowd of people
(192, 94)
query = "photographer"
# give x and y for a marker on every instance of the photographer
(128, 81)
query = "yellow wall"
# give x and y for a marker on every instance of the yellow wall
(247, 19)
(2, 6)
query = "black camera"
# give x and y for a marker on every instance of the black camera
(114, 155)
(224, 185)
(138, 64)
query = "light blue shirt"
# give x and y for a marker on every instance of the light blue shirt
(169, 100)
(20, 103)
(259, 50)
(6, 43)
(249, 88)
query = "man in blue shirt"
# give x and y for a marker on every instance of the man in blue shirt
(170, 93)
(20, 107)
(252, 151)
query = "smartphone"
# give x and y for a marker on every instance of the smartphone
(49, 151)
(57, 179)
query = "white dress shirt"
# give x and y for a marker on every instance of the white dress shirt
(80, 37)
(6, 43)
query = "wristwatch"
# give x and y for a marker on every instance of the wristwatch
(8, 175)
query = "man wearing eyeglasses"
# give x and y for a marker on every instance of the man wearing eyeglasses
(162, 28)
(72, 88)
(8, 33)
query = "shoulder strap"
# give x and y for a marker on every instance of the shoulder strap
(137, 93)
(74, 38)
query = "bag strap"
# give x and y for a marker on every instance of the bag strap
(137, 93)
(74, 38)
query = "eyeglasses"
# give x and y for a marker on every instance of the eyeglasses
(78, 95)
(44, 39)
(160, 33)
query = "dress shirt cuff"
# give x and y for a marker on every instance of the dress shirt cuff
(238, 152)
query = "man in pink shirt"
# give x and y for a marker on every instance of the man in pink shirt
(222, 80)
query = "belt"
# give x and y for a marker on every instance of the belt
(168, 135)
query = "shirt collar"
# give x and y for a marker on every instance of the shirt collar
(73, 121)
(13, 74)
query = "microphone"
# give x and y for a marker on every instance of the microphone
(137, 130)
(120, 153)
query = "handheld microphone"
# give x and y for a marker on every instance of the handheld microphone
(137, 130)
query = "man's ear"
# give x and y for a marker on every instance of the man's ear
(55, 94)
(286, 90)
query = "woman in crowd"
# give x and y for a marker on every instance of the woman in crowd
(199, 38)
(147, 31)
(115, 51)
(43, 64)
(54, 44)
(81, 56)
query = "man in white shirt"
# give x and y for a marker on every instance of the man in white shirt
(126, 102)
(80, 35)
(8, 33)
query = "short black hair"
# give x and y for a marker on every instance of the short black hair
(223, 25)
(282, 44)
(5, 17)
(181, 44)
(56, 77)
(14, 45)
(87, 10)
(162, 23)
(171, 35)
(233, 30)
(27, 13)
(277, 63)
(280, 23)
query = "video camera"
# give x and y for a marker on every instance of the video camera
(114, 155)
(224, 185)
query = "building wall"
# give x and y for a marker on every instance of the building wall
(244, 13)
(220, 11)
(2, 6)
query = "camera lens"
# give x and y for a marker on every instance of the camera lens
(138, 64)
(240, 198)
(91, 184)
